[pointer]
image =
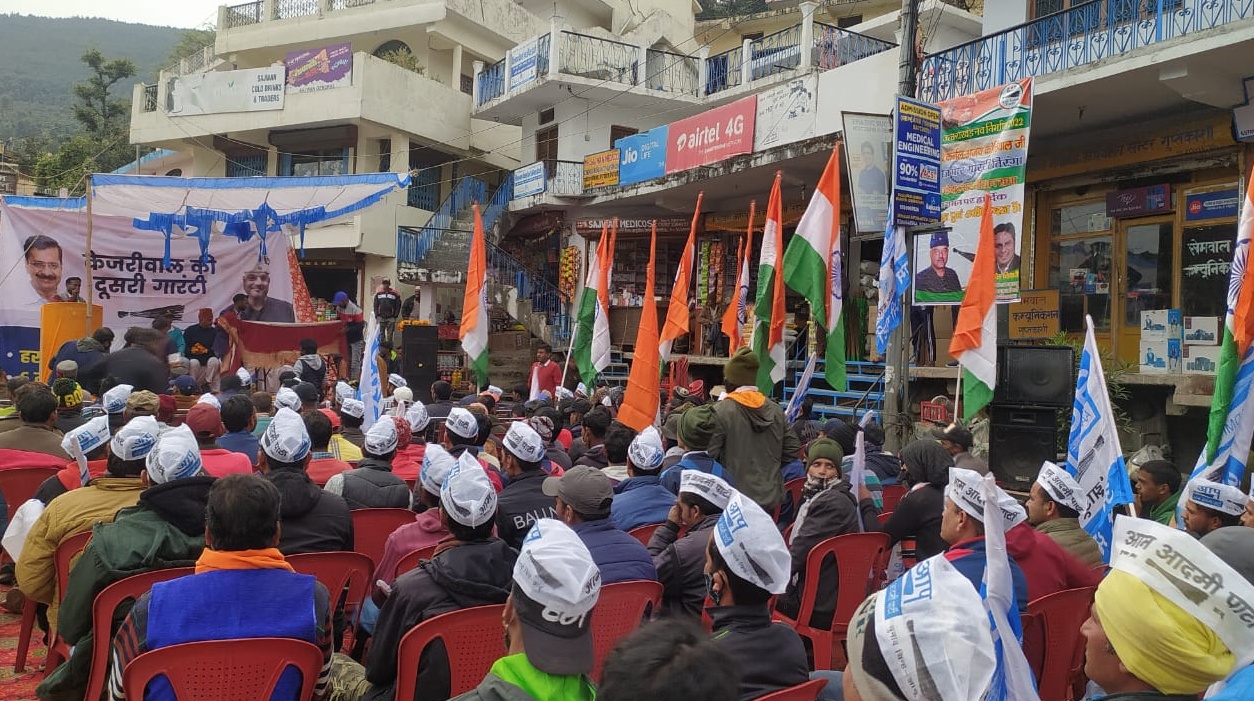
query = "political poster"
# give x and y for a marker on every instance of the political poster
(215, 92)
(869, 144)
(984, 149)
(129, 277)
(317, 69)
(786, 113)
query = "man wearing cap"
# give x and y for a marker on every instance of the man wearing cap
(596, 423)
(205, 421)
(419, 420)
(339, 446)
(466, 431)
(308, 394)
(522, 501)
(427, 529)
(165, 529)
(751, 437)
(670, 441)
(37, 409)
(1054, 509)
(584, 495)
(938, 276)
(348, 312)
(313, 520)
(1235, 546)
(1157, 490)
(548, 622)
(641, 500)
(233, 385)
(962, 526)
(696, 430)
(242, 588)
(70, 399)
(746, 562)
(239, 419)
(86, 352)
(371, 484)
(352, 415)
(469, 568)
(956, 439)
(679, 560)
(1210, 506)
(553, 452)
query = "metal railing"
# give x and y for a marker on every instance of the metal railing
(598, 59)
(723, 71)
(492, 80)
(1077, 36)
(288, 9)
(545, 297)
(564, 178)
(776, 53)
(150, 98)
(835, 47)
(498, 204)
(413, 245)
(672, 73)
(243, 15)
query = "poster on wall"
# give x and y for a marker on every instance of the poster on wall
(984, 149)
(786, 113)
(244, 90)
(133, 287)
(868, 148)
(712, 136)
(317, 69)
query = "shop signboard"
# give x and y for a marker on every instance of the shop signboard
(916, 163)
(529, 180)
(1216, 204)
(712, 136)
(524, 63)
(1138, 201)
(1035, 315)
(600, 169)
(243, 90)
(786, 114)
(642, 156)
(869, 139)
(634, 227)
(984, 149)
(317, 69)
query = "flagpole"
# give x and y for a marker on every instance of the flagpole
(570, 347)
(958, 395)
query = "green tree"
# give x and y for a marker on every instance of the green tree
(100, 113)
(191, 41)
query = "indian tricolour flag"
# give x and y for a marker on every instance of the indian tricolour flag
(474, 328)
(768, 328)
(592, 341)
(737, 307)
(974, 344)
(812, 266)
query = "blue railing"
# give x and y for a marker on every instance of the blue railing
(834, 47)
(412, 246)
(492, 78)
(1077, 36)
(545, 297)
(499, 203)
(775, 53)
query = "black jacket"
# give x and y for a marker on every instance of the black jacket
(770, 656)
(918, 516)
(521, 504)
(680, 564)
(198, 342)
(372, 485)
(594, 457)
(312, 520)
(461, 575)
(134, 366)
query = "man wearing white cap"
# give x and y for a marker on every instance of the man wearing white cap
(427, 529)
(641, 500)
(680, 561)
(747, 562)
(371, 484)
(548, 622)
(523, 501)
(313, 519)
(418, 418)
(471, 568)
(962, 526)
(462, 431)
(584, 495)
(1053, 507)
(70, 477)
(1210, 506)
(352, 415)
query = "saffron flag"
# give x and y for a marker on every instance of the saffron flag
(738, 307)
(974, 344)
(768, 329)
(812, 266)
(370, 384)
(894, 280)
(641, 401)
(592, 341)
(677, 312)
(1094, 456)
(474, 328)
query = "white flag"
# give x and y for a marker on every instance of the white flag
(370, 385)
(1012, 680)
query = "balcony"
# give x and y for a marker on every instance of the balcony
(540, 182)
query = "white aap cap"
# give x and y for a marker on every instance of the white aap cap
(397, 381)
(436, 463)
(344, 391)
(136, 439)
(524, 443)
(581, 390)
(286, 439)
(467, 495)
(84, 439)
(211, 400)
(114, 401)
(403, 394)
(495, 391)
(286, 397)
(563, 393)
(381, 438)
(709, 487)
(352, 407)
(1223, 498)
(1060, 485)
(244, 377)
(556, 586)
(750, 542)
(967, 492)
(175, 456)
(461, 422)
(417, 417)
(646, 451)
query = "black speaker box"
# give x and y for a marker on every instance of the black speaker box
(418, 359)
(1020, 439)
(1035, 375)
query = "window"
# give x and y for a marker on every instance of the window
(332, 161)
(546, 144)
(385, 155)
(393, 46)
(1079, 264)
(468, 84)
(617, 132)
(1040, 8)
(546, 116)
(245, 166)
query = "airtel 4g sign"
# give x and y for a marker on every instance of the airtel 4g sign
(712, 136)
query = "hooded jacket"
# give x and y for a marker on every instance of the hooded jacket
(312, 369)
(680, 564)
(753, 442)
(918, 514)
(312, 520)
(1046, 566)
(769, 656)
(594, 457)
(620, 557)
(640, 501)
(461, 575)
(513, 678)
(370, 486)
(425, 531)
(165, 529)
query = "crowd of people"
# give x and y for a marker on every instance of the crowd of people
(530, 502)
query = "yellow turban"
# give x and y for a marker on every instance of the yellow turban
(1156, 640)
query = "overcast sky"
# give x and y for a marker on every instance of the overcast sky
(168, 13)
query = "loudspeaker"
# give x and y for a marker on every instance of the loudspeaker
(1019, 440)
(418, 359)
(1035, 375)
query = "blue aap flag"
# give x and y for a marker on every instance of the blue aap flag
(642, 156)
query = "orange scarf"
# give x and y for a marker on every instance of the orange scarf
(747, 397)
(264, 559)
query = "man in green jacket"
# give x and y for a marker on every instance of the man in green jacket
(165, 529)
(752, 439)
(548, 622)
(1053, 508)
(1158, 491)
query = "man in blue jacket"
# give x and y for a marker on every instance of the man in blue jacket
(584, 495)
(962, 526)
(641, 500)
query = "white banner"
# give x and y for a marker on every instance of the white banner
(244, 90)
(786, 114)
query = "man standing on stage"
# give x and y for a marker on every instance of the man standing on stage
(387, 306)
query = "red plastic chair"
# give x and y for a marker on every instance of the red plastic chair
(411, 560)
(103, 609)
(621, 608)
(64, 556)
(225, 670)
(892, 495)
(18, 484)
(472, 638)
(883, 517)
(794, 487)
(1053, 644)
(644, 533)
(371, 528)
(346, 575)
(808, 691)
(861, 558)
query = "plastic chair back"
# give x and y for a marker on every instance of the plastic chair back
(808, 691)
(411, 559)
(66, 555)
(472, 638)
(793, 487)
(103, 609)
(884, 516)
(337, 571)
(1052, 641)
(621, 608)
(225, 670)
(67, 551)
(644, 533)
(18, 484)
(892, 495)
(371, 528)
